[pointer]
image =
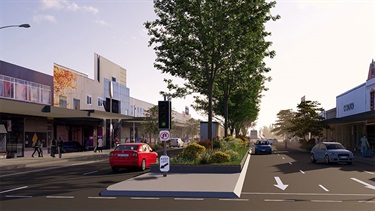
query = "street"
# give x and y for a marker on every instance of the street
(285, 180)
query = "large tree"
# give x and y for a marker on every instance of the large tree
(194, 39)
(307, 119)
(284, 123)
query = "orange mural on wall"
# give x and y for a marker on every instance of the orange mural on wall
(64, 82)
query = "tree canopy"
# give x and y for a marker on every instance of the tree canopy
(203, 41)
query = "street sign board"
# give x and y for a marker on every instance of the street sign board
(164, 163)
(164, 135)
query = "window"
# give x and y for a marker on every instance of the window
(76, 104)
(88, 100)
(100, 102)
(113, 79)
(63, 101)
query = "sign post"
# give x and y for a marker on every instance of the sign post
(164, 136)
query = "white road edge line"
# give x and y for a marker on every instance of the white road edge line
(188, 199)
(144, 198)
(279, 200)
(311, 194)
(366, 201)
(101, 197)
(13, 196)
(60, 197)
(14, 189)
(324, 188)
(91, 172)
(327, 201)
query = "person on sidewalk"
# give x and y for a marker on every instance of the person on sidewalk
(100, 144)
(364, 146)
(53, 147)
(36, 146)
(59, 146)
(41, 148)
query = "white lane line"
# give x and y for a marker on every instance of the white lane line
(60, 197)
(283, 158)
(279, 200)
(302, 171)
(369, 172)
(324, 188)
(366, 201)
(326, 201)
(188, 199)
(144, 198)
(101, 197)
(14, 189)
(233, 199)
(13, 196)
(91, 172)
(46, 169)
(290, 163)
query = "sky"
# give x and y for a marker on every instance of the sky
(323, 47)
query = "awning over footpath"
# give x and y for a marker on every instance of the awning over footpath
(32, 109)
(368, 117)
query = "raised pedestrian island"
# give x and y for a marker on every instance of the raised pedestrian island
(204, 168)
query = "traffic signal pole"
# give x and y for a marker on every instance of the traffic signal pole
(164, 121)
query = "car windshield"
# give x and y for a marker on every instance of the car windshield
(335, 146)
(262, 143)
(127, 147)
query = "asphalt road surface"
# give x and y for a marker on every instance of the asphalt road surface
(285, 180)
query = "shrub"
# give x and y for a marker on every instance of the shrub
(219, 157)
(233, 155)
(207, 144)
(192, 151)
(204, 158)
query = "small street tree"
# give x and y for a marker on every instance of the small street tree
(150, 126)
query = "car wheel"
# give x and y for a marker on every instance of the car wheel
(326, 159)
(143, 166)
(312, 158)
(115, 169)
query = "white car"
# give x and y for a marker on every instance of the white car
(330, 152)
(176, 142)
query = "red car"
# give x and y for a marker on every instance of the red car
(139, 155)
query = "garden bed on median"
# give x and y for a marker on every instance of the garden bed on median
(202, 168)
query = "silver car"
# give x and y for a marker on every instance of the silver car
(329, 152)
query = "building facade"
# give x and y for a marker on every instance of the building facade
(354, 115)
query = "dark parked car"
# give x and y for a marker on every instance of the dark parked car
(72, 146)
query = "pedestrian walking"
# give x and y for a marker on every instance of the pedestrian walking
(36, 148)
(41, 148)
(53, 147)
(59, 146)
(100, 144)
(364, 146)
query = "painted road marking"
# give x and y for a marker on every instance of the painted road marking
(311, 194)
(101, 197)
(233, 199)
(369, 172)
(13, 189)
(91, 172)
(325, 189)
(279, 200)
(302, 171)
(13, 196)
(144, 198)
(326, 201)
(60, 197)
(188, 199)
(363, 183)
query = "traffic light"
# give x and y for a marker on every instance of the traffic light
(164, 110)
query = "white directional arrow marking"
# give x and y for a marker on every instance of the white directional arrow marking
(363, 183)
(280, 184)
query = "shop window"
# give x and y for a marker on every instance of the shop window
(100, 102)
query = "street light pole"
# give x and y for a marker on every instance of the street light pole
(22, 26)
